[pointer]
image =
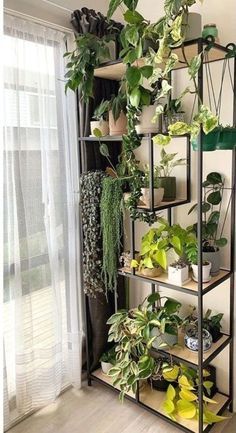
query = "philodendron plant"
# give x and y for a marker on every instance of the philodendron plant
(211, 208)
(182, 398)
(131, 331)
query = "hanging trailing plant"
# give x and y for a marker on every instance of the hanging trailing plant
(111, 225)
(91, 189)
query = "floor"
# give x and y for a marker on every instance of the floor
(97, 410)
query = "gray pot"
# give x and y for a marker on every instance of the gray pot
(214, 258)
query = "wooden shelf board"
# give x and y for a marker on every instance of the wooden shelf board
(155, 399)
(164, 204)
(116, 70)
(192, 286)
(102, 376)
(185, 354)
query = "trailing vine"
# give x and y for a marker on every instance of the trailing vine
(91, 190)
(111, 226)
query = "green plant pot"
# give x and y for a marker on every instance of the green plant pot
(169, 185)
(227, 139)
(209, 141)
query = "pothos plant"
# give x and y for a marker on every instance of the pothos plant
(182, 398)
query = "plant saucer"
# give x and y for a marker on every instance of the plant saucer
(205, 281)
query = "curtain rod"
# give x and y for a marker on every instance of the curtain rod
(39, 21)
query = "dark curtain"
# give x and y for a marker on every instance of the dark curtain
(100, 308)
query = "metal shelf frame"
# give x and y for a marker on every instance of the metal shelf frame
(201, 291)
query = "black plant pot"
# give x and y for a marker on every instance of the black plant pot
(159, 384)
(215, 333)
(211, 378)
(169, 185)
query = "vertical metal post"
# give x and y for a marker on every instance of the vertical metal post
(151, 173)
(188, 169)
(132, 242)
(199, 236)
(169, 216)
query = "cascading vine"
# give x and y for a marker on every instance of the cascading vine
(111, 226)
(91, 189)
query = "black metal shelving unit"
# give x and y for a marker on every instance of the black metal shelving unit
(197, 360)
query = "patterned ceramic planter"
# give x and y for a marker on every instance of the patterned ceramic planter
(191, 339)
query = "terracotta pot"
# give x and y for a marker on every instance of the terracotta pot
(146, 126)
(154, 272)
(120, 126)
(102, 125)
(146, 197)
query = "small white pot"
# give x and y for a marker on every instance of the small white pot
(102, 125)
(178, 276)
(146, 197)
(206, 270)
(146, 125)
(106, 366)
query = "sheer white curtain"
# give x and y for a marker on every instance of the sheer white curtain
(43, 326)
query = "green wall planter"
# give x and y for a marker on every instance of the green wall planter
(210, 141)
(227, 139)
(169, 185)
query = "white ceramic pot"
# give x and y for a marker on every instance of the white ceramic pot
(102, 125)
(106, 366)
(146, 197)
(206, 271)
(178, 276)
(146, 126)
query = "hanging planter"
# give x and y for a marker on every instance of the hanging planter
(209, 141)
(227, 139)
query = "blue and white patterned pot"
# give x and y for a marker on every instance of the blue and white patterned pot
(191, 339)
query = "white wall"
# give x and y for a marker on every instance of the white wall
(224, 15)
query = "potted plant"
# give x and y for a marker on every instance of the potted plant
(117, 114)
(213, 324)
(210, 141)
(191, 338)
(164, 372)
(211, 208)
(227, 138)
(101, 119)
(192, 256)
(89, 53)
(182, 398)
(164, 170)
(158, 192)
(108, 360)
(178, 272)
(172, 113)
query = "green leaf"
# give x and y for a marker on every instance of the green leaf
(172, 306)
(210, 417)
(133, 17)
(104, 150)
(134, 263)
(148, 263)
(192, 208)
(214, 178)
(135, 97)
(175, 241)
(146, 71)
(214, 197)
(214, 217)
(97, 133)
(221, 242)
(205, 207)
(185, 394)
(179, 128)
(208, 384)
(186, 409)
(132, 35)
(133, 76)
(160, 257)
(154, 297)
(171, 374)
(168, 406)
(194, 65)
(161, 139)
(184, 382)
(209, 400)
(113, 5)
(170, 394)
(145, 96)
(209, 123)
